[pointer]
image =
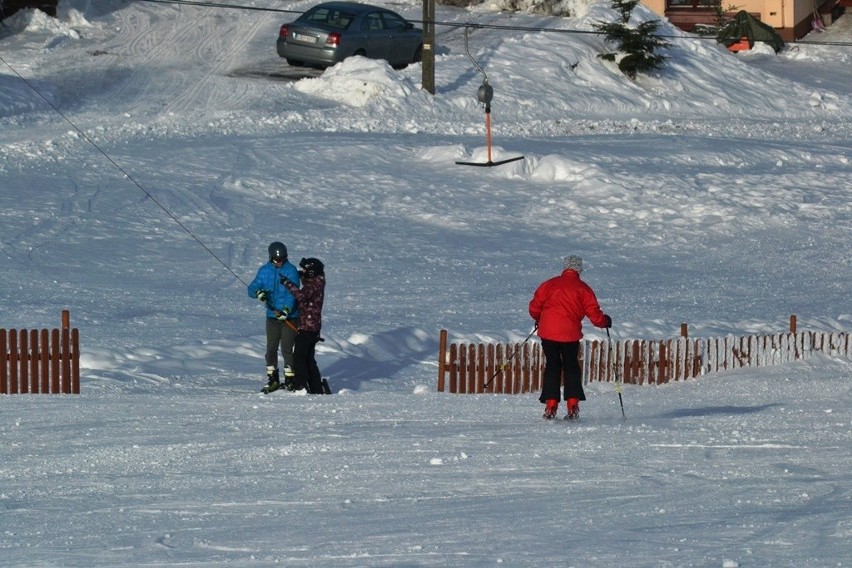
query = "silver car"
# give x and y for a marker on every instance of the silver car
(330, 32)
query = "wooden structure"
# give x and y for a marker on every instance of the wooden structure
(40, 361)
(792, 19)
(519, 367)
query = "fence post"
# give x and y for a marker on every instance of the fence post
(45, 362)
(454, 368)
(793, 324)
(480, 368)
(24, 362)
(75, 362)
(3, 361)
(536, 365)
(683, 330)
(442, 359)
(34, 353)
(54, 361)
(66, 361)
(13, 361)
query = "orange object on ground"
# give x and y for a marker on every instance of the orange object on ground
(741, 45)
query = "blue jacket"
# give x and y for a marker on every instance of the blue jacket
(269, 278)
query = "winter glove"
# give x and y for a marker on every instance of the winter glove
(261, 295)
(607, 321)
(281, 315)
(285, 281)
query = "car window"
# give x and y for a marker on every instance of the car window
(372, 22)
(319, 15)
(393, 21)
(330, 17)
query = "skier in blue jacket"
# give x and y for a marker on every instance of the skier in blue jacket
(282, 313)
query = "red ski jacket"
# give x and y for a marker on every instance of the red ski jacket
(560, 304)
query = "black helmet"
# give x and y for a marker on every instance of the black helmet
(277, 251)
(311, 267)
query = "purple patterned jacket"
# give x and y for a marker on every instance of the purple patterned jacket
(309, 298)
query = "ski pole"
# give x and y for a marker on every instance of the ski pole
(506, 362)
(615, 370)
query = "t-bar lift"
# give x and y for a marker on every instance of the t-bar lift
(484, 94)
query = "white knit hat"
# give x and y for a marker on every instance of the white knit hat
(574, 263)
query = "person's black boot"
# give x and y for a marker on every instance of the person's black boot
(272, 383)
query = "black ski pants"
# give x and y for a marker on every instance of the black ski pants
(561, 361)
(305, 363)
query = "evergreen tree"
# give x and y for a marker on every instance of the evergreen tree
(636, 46)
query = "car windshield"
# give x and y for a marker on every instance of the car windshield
(331, 17)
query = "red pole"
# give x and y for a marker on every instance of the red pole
(488, 132)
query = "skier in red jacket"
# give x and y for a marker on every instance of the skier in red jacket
(558, 307)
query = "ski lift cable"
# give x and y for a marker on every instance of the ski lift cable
(474, 25)
(124, 172)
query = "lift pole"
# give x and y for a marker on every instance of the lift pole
(428, 56)
(484, 94)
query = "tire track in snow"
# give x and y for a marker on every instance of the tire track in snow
(215, 46)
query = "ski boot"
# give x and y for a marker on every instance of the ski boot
(272, 383)
(550, 409)
(289, 379)
(573, 405)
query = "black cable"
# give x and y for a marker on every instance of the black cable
(122, 170)
(215, 5)
(477, 25)
(259, 9)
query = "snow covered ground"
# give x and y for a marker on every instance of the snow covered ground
(148, 155)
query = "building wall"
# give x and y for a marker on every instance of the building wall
(790, 18)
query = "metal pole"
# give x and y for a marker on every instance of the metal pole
(506, 363)
(615, 370)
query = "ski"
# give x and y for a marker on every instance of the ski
(566, 418)
(326, 388)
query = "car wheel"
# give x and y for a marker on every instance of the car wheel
(418, 55)
(295, 63)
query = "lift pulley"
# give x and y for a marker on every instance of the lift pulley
(484, 94)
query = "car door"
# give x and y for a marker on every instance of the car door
(376, 37)
(402, 40)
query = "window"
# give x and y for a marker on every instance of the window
(373, 22)
(330, 17)
(393, 22)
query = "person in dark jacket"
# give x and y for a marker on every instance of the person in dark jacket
(558, 307)
(310, 298)
(281, 312)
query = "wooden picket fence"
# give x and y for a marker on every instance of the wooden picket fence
(515, 368)
(40, 361)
